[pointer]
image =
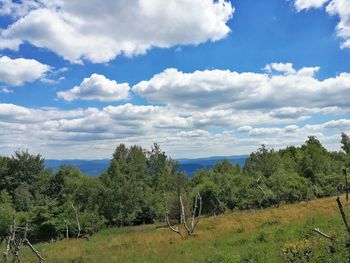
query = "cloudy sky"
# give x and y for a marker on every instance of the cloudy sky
(200, 77)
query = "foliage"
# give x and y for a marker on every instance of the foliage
(6, 214)
(131, 191)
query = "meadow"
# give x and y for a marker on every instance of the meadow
(283, 234)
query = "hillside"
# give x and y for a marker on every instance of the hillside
(251, 236)
(189, 166)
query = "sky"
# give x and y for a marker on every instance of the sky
(199, 77)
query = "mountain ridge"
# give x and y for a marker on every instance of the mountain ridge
(187, 165)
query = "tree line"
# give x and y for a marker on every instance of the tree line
(132, 190)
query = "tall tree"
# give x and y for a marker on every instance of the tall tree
(345, 141)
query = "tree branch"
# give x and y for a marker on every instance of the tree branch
(341, 209)
(317, 230)
(167, 220)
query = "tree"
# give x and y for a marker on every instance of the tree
(126, 185)
(22, 198)
(345, 141)
(315, 161)
(26, 167)
(262, 162)
(6, 179)
(6, 212)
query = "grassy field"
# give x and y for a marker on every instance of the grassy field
(271, 235)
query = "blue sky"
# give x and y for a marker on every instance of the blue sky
(199, 77)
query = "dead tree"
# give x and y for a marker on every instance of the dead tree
(15, 241)
(341, 209)
(196, 213)
(331, 247)
(318, 231)
(77, 219)
(167, 218)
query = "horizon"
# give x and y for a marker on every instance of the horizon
(192, 157)
(202, 78)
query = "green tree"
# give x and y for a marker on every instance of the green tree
(126, 185)
(262, 162)
(25, 167)
(345, 141)
(315, 160)
(6, 213)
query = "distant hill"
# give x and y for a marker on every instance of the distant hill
(189, 166)
(89, 167)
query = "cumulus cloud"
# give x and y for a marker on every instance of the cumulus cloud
(97, 87)
(295, 131)
(200, 113)
(286, 68)
(99, 31)
(224, 89)
(93, 133)
(307, 4)
(340, 8)
(16, 72)
(17, 9)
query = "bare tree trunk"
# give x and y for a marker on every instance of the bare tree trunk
(258, 185)
(341, 209)
(15, 242)
(6, 253)
(34, 250)
(184, 216)
(178, 196)
(197, 211)
(317, 230)
(194, 212)
(77, 219)
(167, 220)
(67, 229)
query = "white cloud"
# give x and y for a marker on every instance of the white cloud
(340, 8)
(307, 4)
(100, 31)
(295, 131)
(12, 44)
(17, 72)
(46, 130)
(16, 9)
(286, 68)
(97, 87)
(227, 90)
(211, 112)
(338, 124)
(93, 133)
(50, 81)
(303, 112)
(193, 133)
(5, 90)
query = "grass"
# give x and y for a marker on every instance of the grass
(281, 234)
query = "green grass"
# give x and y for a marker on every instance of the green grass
(251, 236)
